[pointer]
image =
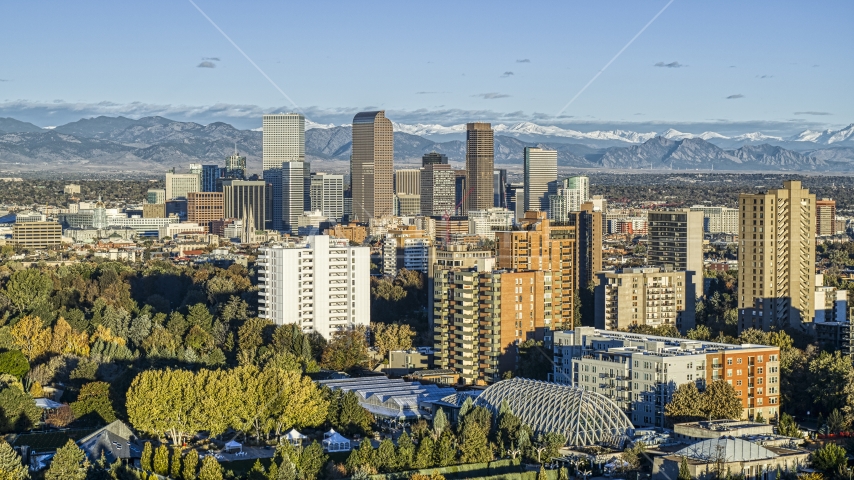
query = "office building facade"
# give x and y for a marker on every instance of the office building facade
(776, 257)
(155, 196)
(327, 195)
(235, 167)
(245, 200)
(480, 157)
(540, 169)
(37, 234)
(209, 176)
(205, 207)
(825, 217)
(372, 165)
(178, 185)
(322, 285)
(438, 193)
(567, 196)
(283, 143)
(407, 182)
(433, 158)
(499, 188)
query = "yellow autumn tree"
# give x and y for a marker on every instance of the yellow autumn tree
(104, 333)
(61, 333)
(30, 337)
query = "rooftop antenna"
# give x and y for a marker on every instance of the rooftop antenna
(235, 148)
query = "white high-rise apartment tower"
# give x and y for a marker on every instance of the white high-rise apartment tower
(567, 196)
(284, 142)
(540, 170)
(322, 285)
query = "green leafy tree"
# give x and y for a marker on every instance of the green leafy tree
(191, 464)
(211, 470)
(829, 458)
(424, 454)
(257, 471)
(69, 463)
(832, 382)
(684, 470)
(787, 426)
(161, 460)
(311, 461)
(28, 288)
(720, 400)
(146, 461)
(553, 442)
(685, 404)
(20, 412)
(440, 422)
(11, 467)
(14, 363)
(444, 453)
(94, 398)
(508, 425)
(175, 463)
(346, 350)
(386, 457)
(474, 444)
(405, 451)
(835, 421)
(200, 316)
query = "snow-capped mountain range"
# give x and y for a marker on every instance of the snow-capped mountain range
(530, 129)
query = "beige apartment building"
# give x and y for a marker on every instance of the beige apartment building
(776, 257)
(645, 296)
(371, 166)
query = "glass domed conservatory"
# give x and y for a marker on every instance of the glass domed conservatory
(584, 418)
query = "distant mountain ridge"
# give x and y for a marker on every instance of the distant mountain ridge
(154, 144)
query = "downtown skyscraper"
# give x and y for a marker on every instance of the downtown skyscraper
(284, 143)
(540, 172)
(480, 157)
(372, 165)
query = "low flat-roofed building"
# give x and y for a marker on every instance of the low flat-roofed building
(389, 398)
(401, 362)
(692, 432)
(37, 234)
(719, 457)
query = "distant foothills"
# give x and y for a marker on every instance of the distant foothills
(154, 144)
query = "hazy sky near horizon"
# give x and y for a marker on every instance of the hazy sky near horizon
(769, 65)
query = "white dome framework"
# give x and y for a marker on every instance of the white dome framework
(584, 418)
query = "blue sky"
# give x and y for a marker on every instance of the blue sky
(774, 66)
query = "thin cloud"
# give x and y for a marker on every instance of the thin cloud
(813, 113)
(4, 79)
(425, 93)
(733, 97)
(669, 65)
(524, 60)
(765, 76)
(213, 59)
(206, 64)
(506, 74)
(491, 95)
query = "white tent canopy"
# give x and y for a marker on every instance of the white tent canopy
(335, 442)
(233, 445)
(294, 436)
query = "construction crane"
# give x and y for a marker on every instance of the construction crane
(447, 217)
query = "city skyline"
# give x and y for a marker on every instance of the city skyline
(732, 66)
